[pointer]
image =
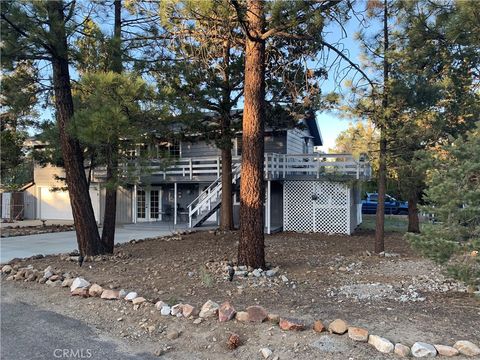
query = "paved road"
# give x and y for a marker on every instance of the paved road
(30, 333)
(54, 243)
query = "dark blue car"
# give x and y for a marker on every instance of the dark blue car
(392, 206)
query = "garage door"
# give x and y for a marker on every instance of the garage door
(55, 205)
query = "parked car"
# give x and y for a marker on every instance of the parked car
(392, 206)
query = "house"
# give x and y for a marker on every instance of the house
(305, 191)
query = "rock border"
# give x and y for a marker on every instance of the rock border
(226, 312)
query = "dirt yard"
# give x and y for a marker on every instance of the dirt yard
(19, 230)
(399, 296)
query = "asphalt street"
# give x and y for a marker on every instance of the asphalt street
(28, 332)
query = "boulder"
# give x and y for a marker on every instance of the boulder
(421, 349)
(338, 326)
(209, 309)
(291, 324)
(110, 295)
(130, 296)
(381, 344)
(95, 290)
(257, 272)
(257, 314)
(467, 348)
(79, 283)
(226, 312)
(241, 316)
(318, 326)
(401, 350)
(445, 350)
(358, 334)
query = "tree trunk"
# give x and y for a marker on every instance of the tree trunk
(226, 220)
(413, 221)
(251, 248)
(109, 218)
(382, 170)
(85, 225)
(382, 184)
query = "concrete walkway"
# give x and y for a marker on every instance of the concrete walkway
(61, 242)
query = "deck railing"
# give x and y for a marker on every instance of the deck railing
(277, 166)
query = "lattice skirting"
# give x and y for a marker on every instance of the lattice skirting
(317, 206)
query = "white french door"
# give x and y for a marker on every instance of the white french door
(149, 205)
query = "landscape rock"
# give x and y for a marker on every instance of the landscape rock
(226, 312)
(189, 310)
(57, 283)
(272, 272)
(318, 326)
(338, 326)
(284, 278)
(7, 269)
(67, 282)
(421, 349)
(241, 316)
(241, 273)
(165, 310)
(55, 277)
(10, 278)
(138, 300)
(381, 344)
(80, 292)
(467, 348)
(110, 294)
(266, 352)
(209, 309)
(131, 295)
(257, 314)
(79, 283)
(32, 277)
(176, 310)
(445, 350)
(257, 272)
(273, 318)
(358, 334)
(291, 324)
(159, 305)
(172, 334)
(401, 350)
(95, 290)
(122, 293)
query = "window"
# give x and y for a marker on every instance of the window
(141, 204)
(169, 149)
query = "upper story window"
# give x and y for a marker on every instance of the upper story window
(170, 149)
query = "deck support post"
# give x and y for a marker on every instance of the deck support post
(175, 203)
(269, 194)
(134, 204)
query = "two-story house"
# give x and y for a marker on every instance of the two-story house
(305, 191)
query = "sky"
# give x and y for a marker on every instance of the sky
(331, 123)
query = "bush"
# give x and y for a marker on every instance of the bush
(453, 195)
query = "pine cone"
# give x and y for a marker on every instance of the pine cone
(233, 341)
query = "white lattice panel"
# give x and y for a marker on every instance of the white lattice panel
(316, 206)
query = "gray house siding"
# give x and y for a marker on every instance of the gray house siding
(296, 142)
(124, 205)
(198, 149)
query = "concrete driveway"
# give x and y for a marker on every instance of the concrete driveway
(61, 242)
